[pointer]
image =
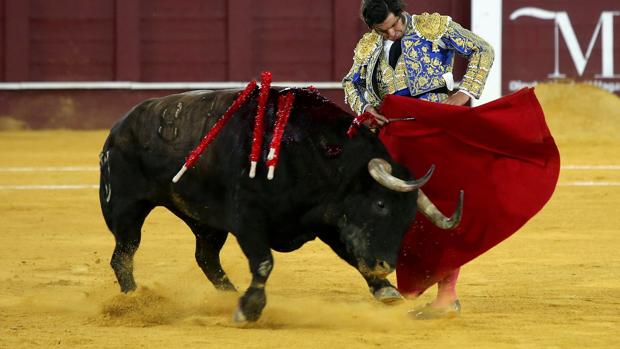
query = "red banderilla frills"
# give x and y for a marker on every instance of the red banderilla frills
(259, 121)
(358, 121)
(206, 140)
(285, 105)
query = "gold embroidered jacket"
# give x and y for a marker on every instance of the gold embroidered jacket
(429, 44)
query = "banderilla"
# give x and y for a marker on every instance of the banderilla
(408, 118)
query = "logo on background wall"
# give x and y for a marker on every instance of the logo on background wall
(604, 29)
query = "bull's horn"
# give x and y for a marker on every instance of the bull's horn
(430, 211)
(381, 171)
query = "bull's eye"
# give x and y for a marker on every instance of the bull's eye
(380, 208)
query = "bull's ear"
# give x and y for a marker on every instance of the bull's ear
(365, 143)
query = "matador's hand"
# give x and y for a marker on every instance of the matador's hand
(380, 119)
(459, 98)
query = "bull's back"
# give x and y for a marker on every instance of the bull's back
(148, 145)
(167, 127)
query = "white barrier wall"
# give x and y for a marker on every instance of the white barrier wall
(486, 21)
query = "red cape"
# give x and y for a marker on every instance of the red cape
(500, 153)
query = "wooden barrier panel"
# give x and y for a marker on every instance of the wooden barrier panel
(169, 41)
(192, 40)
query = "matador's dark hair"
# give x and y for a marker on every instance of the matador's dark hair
(374, 12)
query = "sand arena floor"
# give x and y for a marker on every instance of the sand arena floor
(554, 284)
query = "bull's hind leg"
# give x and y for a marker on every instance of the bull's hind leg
(126, 225)
(209, 242)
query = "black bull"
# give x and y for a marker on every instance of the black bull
(326, 185)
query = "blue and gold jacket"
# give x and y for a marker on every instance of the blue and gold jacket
(429, 44)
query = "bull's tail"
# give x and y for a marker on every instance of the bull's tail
(122, 209)
(105, 182)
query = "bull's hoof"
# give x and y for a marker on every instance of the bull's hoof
(226, 288)
(128, 286)
(388, 295)
(250, 306)
(239, 317)
(428, 312)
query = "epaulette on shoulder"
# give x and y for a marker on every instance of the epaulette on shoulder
(365, 47)
(431, 26)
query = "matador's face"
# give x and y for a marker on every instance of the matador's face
(392, 28)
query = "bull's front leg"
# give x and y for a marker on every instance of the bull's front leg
(253, 301)
(381, 288)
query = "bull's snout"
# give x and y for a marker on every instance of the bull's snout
(380, 269)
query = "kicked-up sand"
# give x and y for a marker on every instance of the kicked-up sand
(554, 284)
